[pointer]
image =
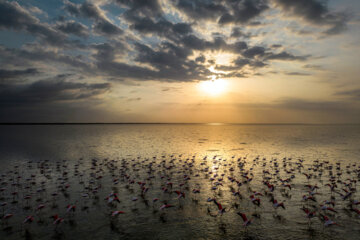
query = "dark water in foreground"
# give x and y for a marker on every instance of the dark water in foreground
(110, 157)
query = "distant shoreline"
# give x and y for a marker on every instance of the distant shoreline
(160, 123)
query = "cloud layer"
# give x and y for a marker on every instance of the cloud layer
(81, 52)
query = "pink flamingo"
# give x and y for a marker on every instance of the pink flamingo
(116, 213)
(247, 221)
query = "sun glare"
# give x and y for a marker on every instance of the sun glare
(213, 87)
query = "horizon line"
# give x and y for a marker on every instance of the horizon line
(169, 123)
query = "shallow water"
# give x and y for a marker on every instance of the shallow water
(128, 150)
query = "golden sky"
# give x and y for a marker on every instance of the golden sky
(260, 61)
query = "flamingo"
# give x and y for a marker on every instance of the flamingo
(70, 208)
(247, 221)
(357, 211)
(180, 194)
(7, 216)
(29, 219)
(323, 207)
(196, 191)
(254, 200)
(166, 206)
(309, 214)
(112, 198)
(346, 196)
(57, 219)
(328, 221)
(270, 186)
(309, 198)
(116, 213)
(276, 204)
(221, 209)
(312, 187)
(329, 202)
(181, 172)
(257, 193)
(3, 204)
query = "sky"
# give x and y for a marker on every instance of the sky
(181, 61)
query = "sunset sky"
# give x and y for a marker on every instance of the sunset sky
(244, 61)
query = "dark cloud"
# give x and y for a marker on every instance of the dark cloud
(87, 9)
(147, 17)
(194, 42)
(200, 9)
(227, 68)
(233, 74)
(182, 28)
(90, 10)
(255, 24)
(72, 8)
(266, 54)
(218, 43)
(49, 90)
(313, 105)
(106, 52)
(6, 74)
(243, 10)
(72, 27)
(107, 28)
(133, 99)
(168, 62)
(28, 57)
(236, 32)
(258, 64)
(146, 25)
(201, 59)
(313, 67)
(255, 56)
(254, 51)
(12, 15)
(123, 70)
(286, 56)
(15, 17)
(161, 28)
(353, 94)
(240, 62)
(224, 12)
(297, 74)
(141, 8)
(316, 12)
(172, 62)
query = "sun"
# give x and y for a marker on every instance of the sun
(213, 87)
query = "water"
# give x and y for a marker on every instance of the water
(117, 148)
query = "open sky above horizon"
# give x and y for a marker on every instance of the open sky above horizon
(245, 61)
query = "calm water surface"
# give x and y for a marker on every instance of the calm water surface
(130, 149)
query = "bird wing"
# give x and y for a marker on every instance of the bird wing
(306, 210)
(243, 216)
